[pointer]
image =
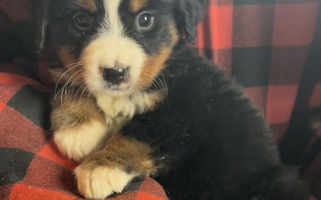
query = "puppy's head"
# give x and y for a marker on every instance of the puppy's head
(116, 46)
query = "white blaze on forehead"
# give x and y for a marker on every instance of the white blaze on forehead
(112, 18)
(111, 47)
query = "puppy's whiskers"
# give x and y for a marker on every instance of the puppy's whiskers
(78, 80)
(63, 91)
(164, 83)
(82, 86)
(70, 67)
(64, 86)
(160, 82)
(82, 93)
(155, 83)
(68, 90)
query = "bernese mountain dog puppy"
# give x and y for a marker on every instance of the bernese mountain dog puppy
(134, 101)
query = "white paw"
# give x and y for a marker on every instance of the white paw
(101, 182)
(79, 142)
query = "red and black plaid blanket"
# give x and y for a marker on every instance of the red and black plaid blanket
(271, 47)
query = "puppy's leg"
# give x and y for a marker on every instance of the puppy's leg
(79, 126)
(111, 169)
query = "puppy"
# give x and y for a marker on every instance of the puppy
(135, 102)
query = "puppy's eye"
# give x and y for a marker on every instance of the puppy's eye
(145, 21)
(83, 21)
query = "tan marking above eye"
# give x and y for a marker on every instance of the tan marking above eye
(136, 5)
(88, 4)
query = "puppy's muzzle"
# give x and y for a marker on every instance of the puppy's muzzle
(115, 75)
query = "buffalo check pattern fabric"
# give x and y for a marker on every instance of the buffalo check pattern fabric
(31, 167)
(271, 47)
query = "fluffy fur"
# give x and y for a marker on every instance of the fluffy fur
(135, 101)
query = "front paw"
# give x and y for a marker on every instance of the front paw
(79, 142)
(108, 171)
(100, 182)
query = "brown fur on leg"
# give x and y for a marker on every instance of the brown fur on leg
(125, 153)
(69, 111)
(79, 126)
(111, 169)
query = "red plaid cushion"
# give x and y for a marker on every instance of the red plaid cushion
(31, 167)
(272, 48)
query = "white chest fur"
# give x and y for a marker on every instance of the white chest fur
(119, 109)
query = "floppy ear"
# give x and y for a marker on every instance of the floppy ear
(189, 14)
(39, 11)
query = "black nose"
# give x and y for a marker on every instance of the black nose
(115, 75)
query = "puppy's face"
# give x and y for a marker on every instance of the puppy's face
(113, 46)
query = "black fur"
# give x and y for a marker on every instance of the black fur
(150, 40)
(49, 16)
(212, 143)
(189, 13)
(39, 10)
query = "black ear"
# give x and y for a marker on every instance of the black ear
(39, 11)
(189, 13)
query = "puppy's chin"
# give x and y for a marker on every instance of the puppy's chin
(115, 92)
(124, 89)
